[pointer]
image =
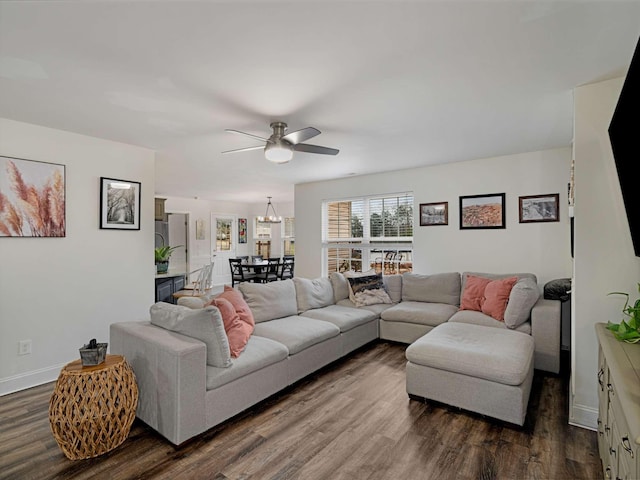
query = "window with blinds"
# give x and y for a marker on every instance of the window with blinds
(288, 236)
(371, 232)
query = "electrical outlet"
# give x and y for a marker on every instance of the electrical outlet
(24, 347)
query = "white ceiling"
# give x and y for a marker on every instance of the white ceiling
(392, 84)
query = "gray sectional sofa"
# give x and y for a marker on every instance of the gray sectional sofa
(301, 326)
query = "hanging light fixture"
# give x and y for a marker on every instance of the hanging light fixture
(270, 218)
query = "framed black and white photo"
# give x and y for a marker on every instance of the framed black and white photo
(434, 214)
(540, 208)
(482, 211)
(119, 204)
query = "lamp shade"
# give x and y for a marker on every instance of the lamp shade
(279, 152)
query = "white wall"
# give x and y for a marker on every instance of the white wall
(542, 248)
(604, 256)
(61, 292)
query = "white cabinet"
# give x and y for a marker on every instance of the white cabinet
(619, 406)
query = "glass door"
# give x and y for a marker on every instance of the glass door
(223, 239)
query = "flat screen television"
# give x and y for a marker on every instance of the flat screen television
(624, 133)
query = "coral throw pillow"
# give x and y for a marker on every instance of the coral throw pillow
(496, 296)
(473, 294)
(239, 303)
(238, 332)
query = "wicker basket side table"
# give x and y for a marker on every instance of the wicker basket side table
(92, 408)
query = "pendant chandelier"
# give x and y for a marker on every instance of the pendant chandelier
(270, 218)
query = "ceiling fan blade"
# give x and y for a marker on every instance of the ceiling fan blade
(301, 135)
(305, 147)
(247, 134)
(261, 147)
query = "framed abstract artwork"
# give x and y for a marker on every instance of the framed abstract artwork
(242, 230)
(119, 204)
(32, 198)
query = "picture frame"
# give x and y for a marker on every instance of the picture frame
(432, 214)
(242, 230)
(119, 204)
(485, 211)
(34, 198)
(539, 208)
(199, 229)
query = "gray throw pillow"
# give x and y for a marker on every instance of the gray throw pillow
(203, 324)
(269, 301)
(438, 288)
(340, 286)
(523, 297)
(310, 294)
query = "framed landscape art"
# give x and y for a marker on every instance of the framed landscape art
(482, 211)
(32, 198)
(434, 214)
(119, 204)
(539, 208)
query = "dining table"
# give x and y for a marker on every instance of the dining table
(254, 266)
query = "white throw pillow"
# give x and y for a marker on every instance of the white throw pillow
(204, 324)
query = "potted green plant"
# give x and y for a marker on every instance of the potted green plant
(162, 255)
(628, 331)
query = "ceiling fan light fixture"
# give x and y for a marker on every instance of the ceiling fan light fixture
(278, 152)
(269, 218)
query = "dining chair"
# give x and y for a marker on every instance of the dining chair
(244, 258)
(203, 283)
(238, 273)
(270, 271)
(256, 258)
(286, 271)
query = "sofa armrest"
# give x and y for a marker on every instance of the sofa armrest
(545, 329)
(171, 374)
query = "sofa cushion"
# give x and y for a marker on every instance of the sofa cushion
(239, 303)
(422, 313)
(479, 318)
(259, 353)
(316, 293)
(377, 308)
(496, 296)
(438, 288)
(472, 296)
(393, 286)
(271, 300)
(205, 325)
(523, 297)
(238, 332)
(368, 290)
(297, 333)
(345, 318)
(340, 286)
(501, 356)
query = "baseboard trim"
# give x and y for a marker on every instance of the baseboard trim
(583, 416)
(31, 379)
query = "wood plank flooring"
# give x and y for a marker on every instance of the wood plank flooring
(350, 421)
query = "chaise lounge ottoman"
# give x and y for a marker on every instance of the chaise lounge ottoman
(482, 369)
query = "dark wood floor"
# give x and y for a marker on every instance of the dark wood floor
(352, 420)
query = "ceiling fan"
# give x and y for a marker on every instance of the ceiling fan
(279, 147)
